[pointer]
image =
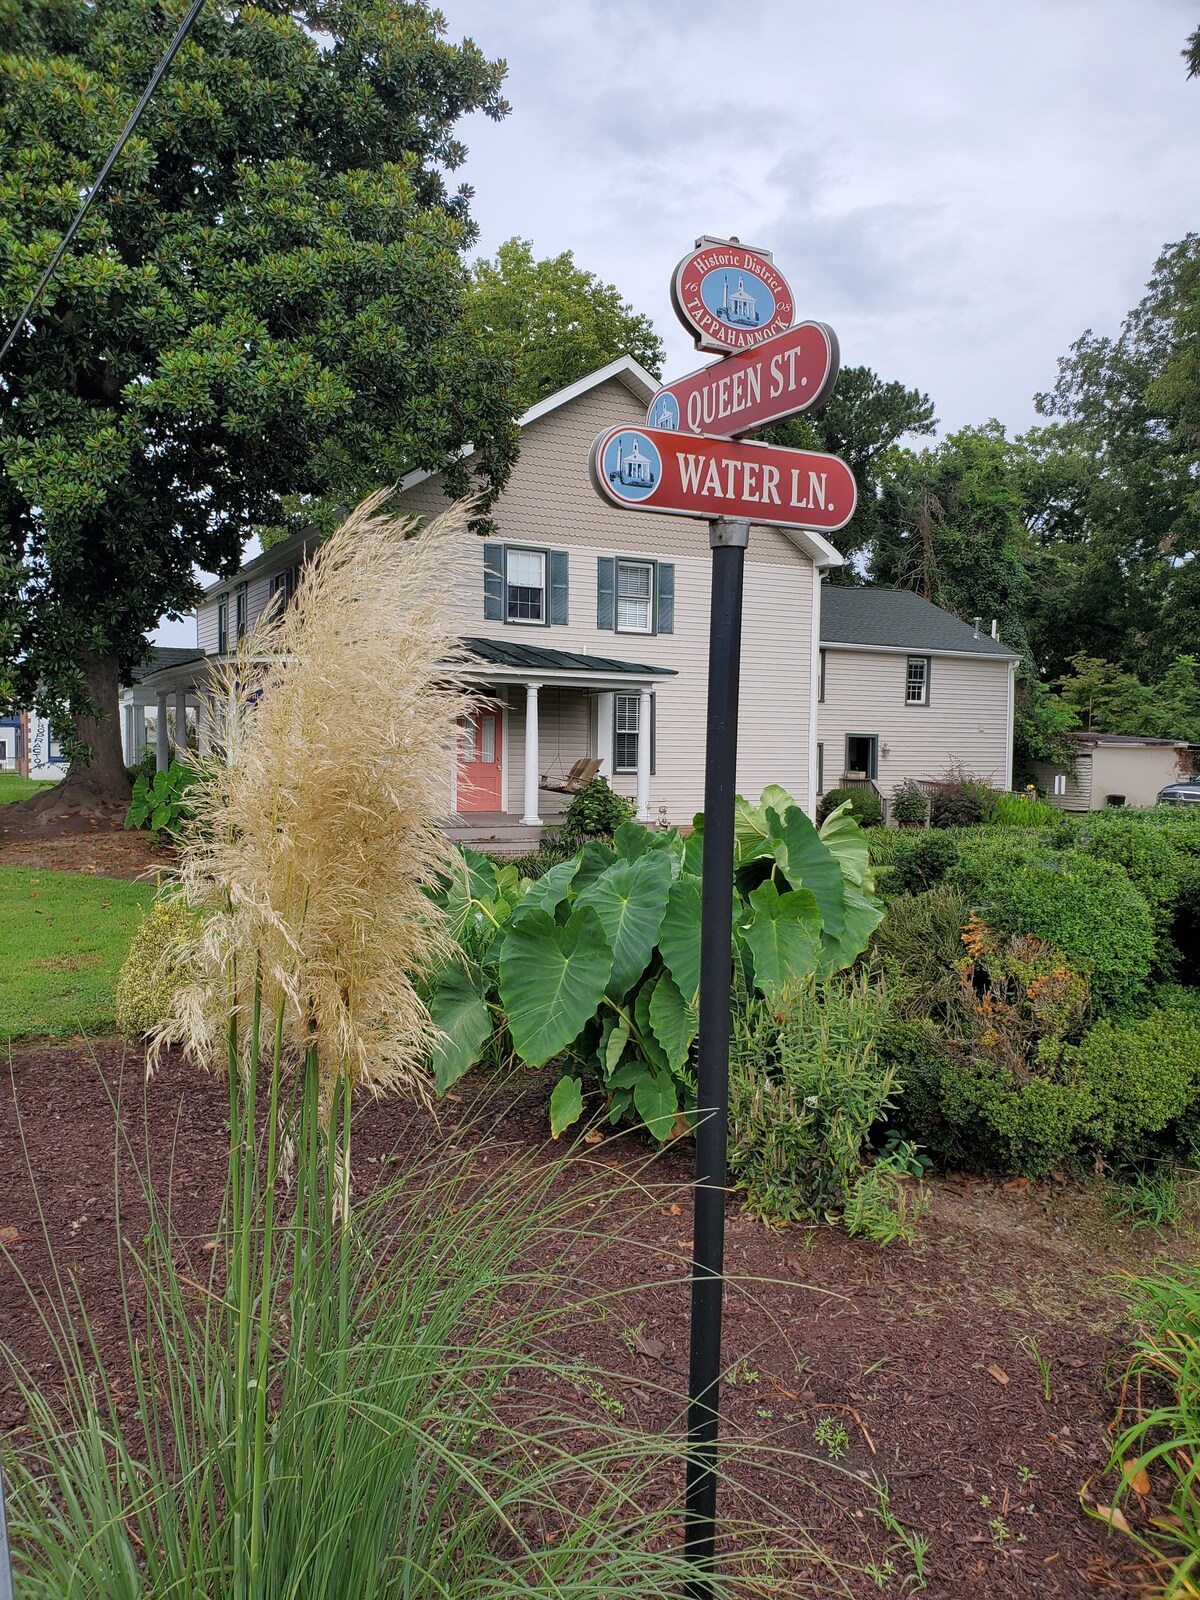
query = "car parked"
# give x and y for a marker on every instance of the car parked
(1184, 793)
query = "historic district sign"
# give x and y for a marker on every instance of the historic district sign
(730, 297)
(683, 475)
(793, 371)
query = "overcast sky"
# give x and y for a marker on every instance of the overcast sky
(959, 189)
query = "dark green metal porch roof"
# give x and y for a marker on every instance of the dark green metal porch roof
(536, 658)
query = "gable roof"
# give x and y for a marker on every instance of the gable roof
(164, 656)
(896, 619)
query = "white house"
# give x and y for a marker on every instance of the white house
(588, 625)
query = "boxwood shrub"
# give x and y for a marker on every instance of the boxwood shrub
(865, 805)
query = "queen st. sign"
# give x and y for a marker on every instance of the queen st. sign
(680, 475)
(729, 296)
(793, 371)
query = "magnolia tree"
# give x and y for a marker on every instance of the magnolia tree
(265, 304)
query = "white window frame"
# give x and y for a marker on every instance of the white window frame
(619, 732)
(648, 568)
(542, 557)
(923, 699)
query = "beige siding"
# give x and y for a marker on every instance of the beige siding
(967, 719)
(206, 626)
(550, 502)
(1136, 771)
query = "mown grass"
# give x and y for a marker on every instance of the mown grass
(14, 787)
(63, 938)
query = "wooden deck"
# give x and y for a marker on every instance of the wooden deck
(501, 832)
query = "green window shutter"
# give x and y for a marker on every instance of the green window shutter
(559, 604)
(493, 582)
(664, 616)
(606, 593)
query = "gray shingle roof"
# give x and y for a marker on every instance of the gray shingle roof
(505, 653)
(163, 656)
(900, 619)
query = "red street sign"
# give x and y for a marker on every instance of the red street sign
(680, 475)
(729, 297)
(792, 372)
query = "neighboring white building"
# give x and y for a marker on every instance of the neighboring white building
(29, 748)
(906, 690)
(1113, 769)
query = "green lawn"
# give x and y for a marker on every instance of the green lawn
(13, 787)
(63, 937)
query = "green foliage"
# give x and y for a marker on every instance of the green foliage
(1110, 700)
(1144, 1076)
(884, 1205)
(160, 803)
(920, 861)
(918, 947)
(806, 1088)
(146, 764)
(598, 960)
(958, 800)
(1160, 1434)
(63, 939)
(865, 805)
(1149, 857)
(1091, 912)
(149, 978)
(1022, 810)
(594, 813)
(910, 804)
(556, 321)
(278, 268)
(1147, 1196)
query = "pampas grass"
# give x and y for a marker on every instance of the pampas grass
(317, 832)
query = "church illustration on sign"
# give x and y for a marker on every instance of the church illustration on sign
(740, 307)
(664, 413)
(632, 468)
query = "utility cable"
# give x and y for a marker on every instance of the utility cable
(155, 79)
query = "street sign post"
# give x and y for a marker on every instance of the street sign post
(684, 463)
(682, 475)
(791, 372)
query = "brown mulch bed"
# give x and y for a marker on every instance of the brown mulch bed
(920, 1353)
(100, 847)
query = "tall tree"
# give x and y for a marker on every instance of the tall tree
(267, 301)
(863, 421)
(557, 320)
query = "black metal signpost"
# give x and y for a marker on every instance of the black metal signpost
(733, 299)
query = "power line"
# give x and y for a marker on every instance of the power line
(155, 79)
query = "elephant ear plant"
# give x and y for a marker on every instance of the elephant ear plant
(598, 962)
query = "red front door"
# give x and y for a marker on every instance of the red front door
(479, 761)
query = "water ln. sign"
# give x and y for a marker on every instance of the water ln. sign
(791, 372)
(730, 297)
(679, 475)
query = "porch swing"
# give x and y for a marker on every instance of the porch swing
(578, 777)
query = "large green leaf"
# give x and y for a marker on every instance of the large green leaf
(552, 979)
(679, 939)
(630, 899)
(631, 840)
(783, 935)
(566, 1104)
(808, 864)
(458, 1009)
(673, 1021)
(549, 891)
(863, 916)
(751, 825)
(594, 859)
(651, 1048)
(657, 1103)
(847, 842)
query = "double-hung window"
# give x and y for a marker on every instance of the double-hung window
(916, 683)
(241, 610)
(635, 596)
(525, 586)
(626, 711)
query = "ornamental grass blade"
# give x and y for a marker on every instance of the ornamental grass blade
(552, 979)
(630, 899)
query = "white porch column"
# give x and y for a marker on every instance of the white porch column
(532, 774)
(130, 747)
(643, 756)
(181, 735)
(604, 731)
(162, 742)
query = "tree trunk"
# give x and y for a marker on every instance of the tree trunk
(98, 787)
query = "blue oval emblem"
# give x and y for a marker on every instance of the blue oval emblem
(737, 297)
(632, 465)
(664, 411)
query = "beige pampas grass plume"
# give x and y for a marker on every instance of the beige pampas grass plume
(316, 830)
